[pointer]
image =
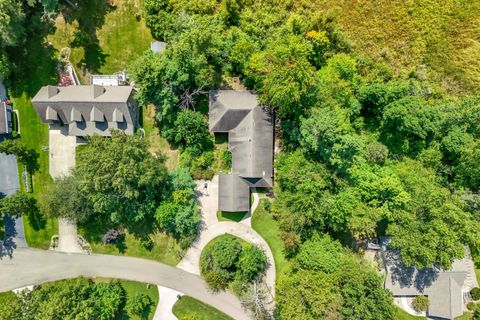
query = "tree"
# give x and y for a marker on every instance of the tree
(11, 306)
(408, 125)
(251, 263)
(127, 182)
(308, 295)
(420, 303)
(284, 76)
(11, 22)
(191, 129)
(432, 227)
(28, 157)
(19, 203)
(138, 305)
(75, 299)
(65, 199)
(467, 172)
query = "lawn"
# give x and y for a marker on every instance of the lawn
(132, 288)
(402, 315)
(230, 216)
(163, 247)
(116, 36)
(222, 157)
(156, 141)
(267, 227)
(190, 307)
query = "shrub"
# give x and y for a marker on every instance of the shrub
(267, 205)
(138, 304)
(226, 252)
(420, 303)
(112, 236)
(475, 293)
(251, 263)
(472, 306)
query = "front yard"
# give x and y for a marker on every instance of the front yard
(188, 307)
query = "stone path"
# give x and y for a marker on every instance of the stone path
(33, 266)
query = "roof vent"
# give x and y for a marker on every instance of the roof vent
(51, 114)
(98, 90)
(52, 91)
(96, 115)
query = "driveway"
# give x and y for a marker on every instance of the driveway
(61, 148)
(212, 228)
(9, 184)
(33, 266)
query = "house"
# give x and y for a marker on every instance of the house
(250, 140)
(88, 110)
(445, 289)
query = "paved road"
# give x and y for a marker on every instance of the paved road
(166, 300)
(33, 266)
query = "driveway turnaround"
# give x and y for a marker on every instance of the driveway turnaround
(212, 228)
(34, 266)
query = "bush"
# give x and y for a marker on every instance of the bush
(420, 303)
(138, 305)
(472, 306)
(112, 236)
(475, 293)
(251, 263)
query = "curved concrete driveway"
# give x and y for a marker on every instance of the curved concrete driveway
(33, 266)
(191, 260)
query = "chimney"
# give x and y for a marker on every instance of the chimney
(98, 90)
(52, 91)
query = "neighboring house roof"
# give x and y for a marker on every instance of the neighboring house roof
(5, 118)
(444, 288)
(158, 46)
(87, 110)
(250, 135)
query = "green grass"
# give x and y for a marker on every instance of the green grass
(230, 216)
(118, 36)
(34, 134)
(222, 157)
(165, 248)
(267, 227)
(156, 141)
(190, 307)
(132, 288)
(402, 315)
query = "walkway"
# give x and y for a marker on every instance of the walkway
(34, 266)
(212, 228)
(61, 161)
(166, 300)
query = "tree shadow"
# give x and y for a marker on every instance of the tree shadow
(90, 15)
(36, 220)
(34, 60)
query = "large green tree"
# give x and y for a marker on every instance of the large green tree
(121, 179)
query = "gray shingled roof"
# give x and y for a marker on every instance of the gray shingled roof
(87, 110)
(443, 287)
(5, 118)
(250, 135)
